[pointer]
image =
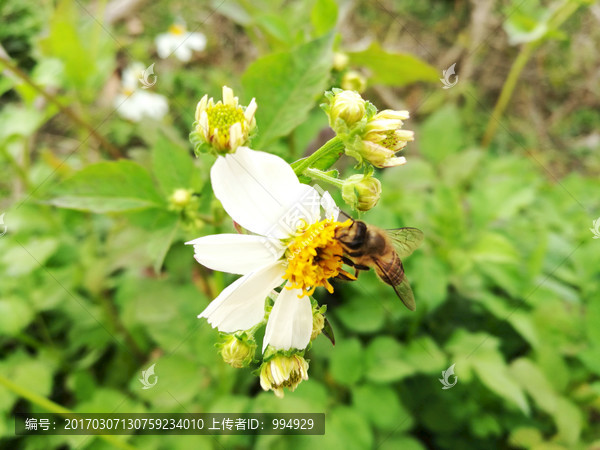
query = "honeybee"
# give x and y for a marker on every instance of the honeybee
(367, 246)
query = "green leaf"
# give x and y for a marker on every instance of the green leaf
(424, 354)
(360, 315)
(15, 314)
(109, 187)
(346, 365)
(531, 378)
(286, 87)
(569, 421)
(442, 134)
(172, 165)
(324, 16)
(393, 69)
(380, 404)
(346, 428)
(494, 247)
(385, 361)
(492, 371)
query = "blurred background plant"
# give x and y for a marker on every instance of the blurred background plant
(503, 178)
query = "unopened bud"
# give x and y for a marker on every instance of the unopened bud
(361, 192)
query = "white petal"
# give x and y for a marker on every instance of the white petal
(241, 305)
(164, 45)
(329, 206)
(151, 105)
(236, 253)
(250, 110)
(290, 321)
(396, 161)
(129, 107)
(195, 41)
(183, 53)
(256, 189)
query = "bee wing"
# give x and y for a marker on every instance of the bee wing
(402, 289)
(405, 240)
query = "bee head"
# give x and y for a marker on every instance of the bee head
(353, 236)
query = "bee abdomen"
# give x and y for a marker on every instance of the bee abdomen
(390, 270)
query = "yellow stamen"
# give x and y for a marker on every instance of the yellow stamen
(314, 256)
(221, 117)
(176, 29)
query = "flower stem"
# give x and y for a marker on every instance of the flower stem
(332, 147)
(49, 405)
(114, 151)
(317, 174)
(562, 13)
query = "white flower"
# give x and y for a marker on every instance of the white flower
(136, 104)
(179, 41)
(261, 192)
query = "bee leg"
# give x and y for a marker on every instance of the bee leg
(347, 261)
(341, 276)
(351, 263)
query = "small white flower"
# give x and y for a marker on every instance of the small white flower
(261, 192)
(180, 42)
(136, 104)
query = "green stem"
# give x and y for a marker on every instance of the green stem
(562, 13)
(55, 408)
(22, 174)
(319, 175)
(331, 147)
(118, 326)
(114, 151)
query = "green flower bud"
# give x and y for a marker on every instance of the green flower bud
(345, 109)
(340, 61)
(238, 351)
(180, 198)
(355, 81)
(361, 192)
(283, 371)
(318, 324)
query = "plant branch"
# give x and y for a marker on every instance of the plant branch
(78, 120)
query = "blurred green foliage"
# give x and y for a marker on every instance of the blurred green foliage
(97, 284)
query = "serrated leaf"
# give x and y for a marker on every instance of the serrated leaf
(286, 86)
(114, 186)
(393, 69)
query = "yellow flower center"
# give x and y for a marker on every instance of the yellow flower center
(391, 141)
(314, 256)
(221, 117)
(176, 29)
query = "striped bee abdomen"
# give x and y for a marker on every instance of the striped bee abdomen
(390, 270)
